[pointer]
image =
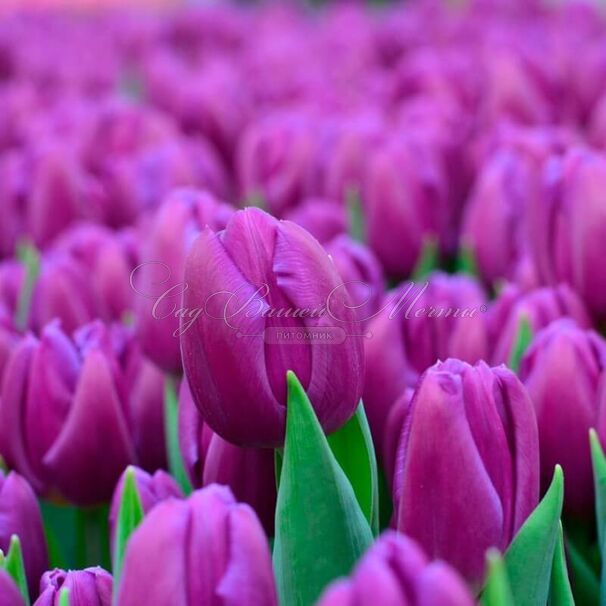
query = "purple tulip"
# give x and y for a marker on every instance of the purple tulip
(265, 285)
(276, 162)
(61, 398)
(152, 489)
(394, 427)
(323, 219)
(88, 587)
(420, 323)
(159, 279)
(406, 202)
(568, 226)
(467, 469)
(9, 337)
(209, 527)
(20, 515)
(361, 273)
(540, 307)
(494, 225)
(209, 459)
(564, 372)
(395, 571)
(9, 592)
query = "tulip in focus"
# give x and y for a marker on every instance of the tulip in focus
(273, 302)
(213, 550)
(467, 468)
(209, 459)
(564, 372)
(62, 398)
(20, 515)
(89, 587)
(395, 571)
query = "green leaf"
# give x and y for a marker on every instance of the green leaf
(171, 429)
(586, 586)
(599, 481)
(320, 529)
(560, 592)
(357, 226)
(64, 597)
(130, 515)
(530, 556)
(521, 343)
(278, 458)
(29, 256)
(353, 448)
(13, 565)
(466, 261)
(497, 590)
(428, 260)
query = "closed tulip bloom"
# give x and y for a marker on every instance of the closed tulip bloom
(88, 587)
(406, 202)
(395, 571)
(158, 281)
(9, 592)
(361, 273)
(419, 324)
(20, 515)
(209, 459)
(62, 397)
(539, 307)
(262, 284)
(323, 219)
(569, 226)
(394, 427)
(152, 489)
(564, 372)
(275, 161)
(209, 527)
(494, 227)
(467, 469)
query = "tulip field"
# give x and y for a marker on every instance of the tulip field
(303, 303)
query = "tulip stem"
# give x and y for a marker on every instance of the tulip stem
(29, 256)
(357, 227)
(92, 537)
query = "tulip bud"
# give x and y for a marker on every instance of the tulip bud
(158, 281)
(568, 226)
(152, 489)
(361, 273)
(273, 302)
(395, 571)
(420, 323)
(494, 227)
(88, 587)
(275, 161)
(20, 515)
(209, 459)
(406, 202)
(209, 527)
(62, 397)
(394, 427)
(323, 219)
(9, 592)
(539, 307)
(467, 470)
(564, 372)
